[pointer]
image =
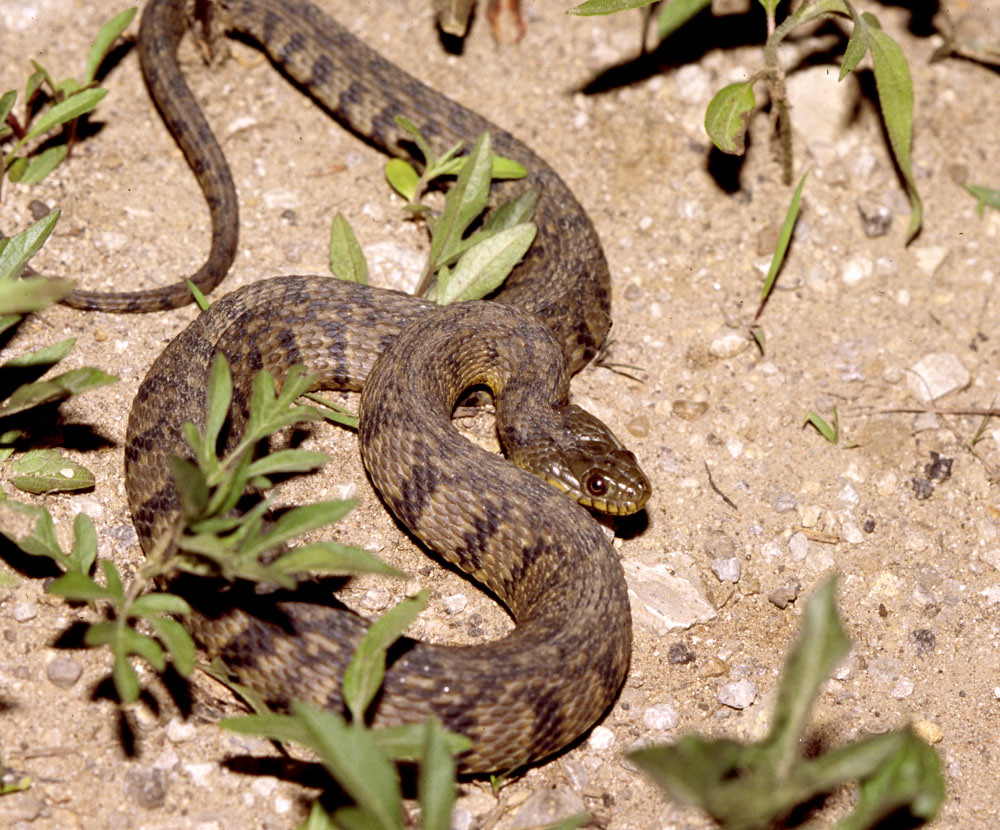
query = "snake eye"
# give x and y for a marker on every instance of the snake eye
(597, 485)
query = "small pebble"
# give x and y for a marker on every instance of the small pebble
(903, 688)
(199, 773)
(928, 730)
(455, 604)
(601, 738)
(785, 595)
(679, 654)
(876, 218)
(924, 640)
(24, 611)
(798, 546)
(178, 731)
(546, 807)
(936, 375)
(146, 786)
(376, 599)
(785, 502)
(852, 533)
(929, 258)
(660, 717)
(856, 269)
(63, 672)
(738, 694)
(727, 570)
(638, 426)
(727, 342)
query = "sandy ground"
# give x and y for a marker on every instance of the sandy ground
(687, 236)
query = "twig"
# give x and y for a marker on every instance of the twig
(718, 492)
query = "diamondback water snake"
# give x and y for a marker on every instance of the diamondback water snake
(524, 696)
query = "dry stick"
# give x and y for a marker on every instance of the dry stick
(718, 492)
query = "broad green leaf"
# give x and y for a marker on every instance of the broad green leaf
(406, 742)
(35, 80)
(504, 169)
(985, 196)
(332, 412)
(47, 471)
(436, 784)
(7, 104)
(347, 260)
(402, 177)
(44, 163)
(72, 107)
(78, 587)
(31, 294)
(728, 116)
(273, 726)
(592, 7)
(84, 552)
(675, 14)
(113, 581)
(485, 266)
(31, 529)
(149, 605)
(132, 642)
(22, 247)
(334, 559)
(192, 488)
(105, 38)
(418, 139)
(46, 356)
(364, 675)
(125, 679)
(61, 386)
(895, 95)
(177, 641)
(16, 168)
(219, 396)
(351, 756)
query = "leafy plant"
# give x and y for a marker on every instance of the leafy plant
(69, 99)
(749, 786)
(728, 114)
(460, 266)
(37, 471)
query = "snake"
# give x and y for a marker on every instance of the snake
(520, 526)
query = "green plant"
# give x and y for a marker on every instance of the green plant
(749, 786)
(69, 99)
(728, 113)
(459, 267)
(36, 471)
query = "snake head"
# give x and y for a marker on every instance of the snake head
(588, 462)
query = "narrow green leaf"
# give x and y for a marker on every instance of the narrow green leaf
(16, 168)
(219, 396)
(418, 139)
(318, 818)
(287, 461)
(61, 386)
(364, 675)
(46, 356)
(332, 412)
(791, 215)
(593, 7)
(504, 169)
(334, 559)
(199, 297)
(44, 163)
(819, 422)
(105, 38)
(728, 116)
(406, 741)
(113, 581)
(273, 726)
(517, 210)
(676, 14)
(347, 260)
(22, 247)
(464, 202)
(35, 80)
(436, 784)
(485, 266)
(7, 104)
(47, 471)
(857, 46)
(299, 521)
(402, 177)
(985, 196)
(895, 95)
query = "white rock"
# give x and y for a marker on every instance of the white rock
(937, 374)
(178, 731)
(798, 546)
(739, 694)
(24, 611)
(455, 604)
(660, 717)
(992, 594)
(856, 269)
(929, 258)
(727, 569)
(852, 533)
(727, 342)
(664, 601)
(601, 738)
(902, 689)
(822, 106)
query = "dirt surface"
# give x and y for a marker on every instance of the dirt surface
(908, 517)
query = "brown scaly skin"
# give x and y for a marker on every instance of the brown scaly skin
(525, 696)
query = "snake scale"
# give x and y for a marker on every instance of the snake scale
(542, 555)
